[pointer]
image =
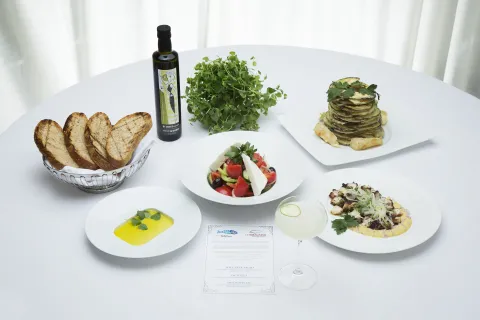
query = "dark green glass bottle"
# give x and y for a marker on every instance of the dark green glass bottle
(166, 77)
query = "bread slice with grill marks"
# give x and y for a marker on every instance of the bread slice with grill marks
(125, 136)
(97, 130)
(74, 130)
(50, 140)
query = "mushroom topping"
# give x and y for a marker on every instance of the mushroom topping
(350, 195)
(388, 204)
(336, 211)
(338, 201)
(349, 206)
(333, 194)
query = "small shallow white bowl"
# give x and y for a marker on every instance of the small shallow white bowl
(118, 207)
(279, 154)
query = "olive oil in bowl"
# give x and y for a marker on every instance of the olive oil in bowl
(144, 226)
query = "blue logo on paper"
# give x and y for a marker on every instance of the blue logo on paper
(227, 231)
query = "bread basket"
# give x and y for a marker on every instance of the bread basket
(100, 182)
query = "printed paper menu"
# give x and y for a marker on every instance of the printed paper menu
(239, 260)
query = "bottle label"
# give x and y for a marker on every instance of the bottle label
(169, 99)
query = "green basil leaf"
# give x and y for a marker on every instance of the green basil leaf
(135, 221)
(141, 215)
(156, 216)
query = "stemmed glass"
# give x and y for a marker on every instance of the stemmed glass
(302, 219)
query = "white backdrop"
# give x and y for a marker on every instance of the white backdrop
(48, 45)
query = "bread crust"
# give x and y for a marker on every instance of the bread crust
(86, 163)
(42, 145)
(114, 144)
(90, 135)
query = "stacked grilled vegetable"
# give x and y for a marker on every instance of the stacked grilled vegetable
(240, 171)
(353, 117)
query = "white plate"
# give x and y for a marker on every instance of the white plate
(279, 154)
(110, 212)
(398, 135)
(425, 213)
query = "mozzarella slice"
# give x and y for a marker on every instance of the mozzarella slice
(256, 176)
(221, 157)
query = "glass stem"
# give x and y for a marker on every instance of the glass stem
(298, 271)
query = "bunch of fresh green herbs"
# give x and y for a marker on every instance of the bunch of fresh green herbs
(225, 94)
(344, 90)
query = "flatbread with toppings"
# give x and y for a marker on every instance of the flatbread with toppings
(364, 210)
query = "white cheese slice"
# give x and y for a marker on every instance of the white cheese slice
(221, 158)
(256, 176)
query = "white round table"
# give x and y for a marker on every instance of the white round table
(50, 271)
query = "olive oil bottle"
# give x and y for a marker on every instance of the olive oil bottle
(166, 77)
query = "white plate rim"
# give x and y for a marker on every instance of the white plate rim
(334, 240)
(327, 159)
(185, 199)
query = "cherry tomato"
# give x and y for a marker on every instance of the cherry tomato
(257, 156)
(259, 160)
(271, 176)
(264, 170)
(234, 170)
(241, 187)
(225, 190)
(261, 164)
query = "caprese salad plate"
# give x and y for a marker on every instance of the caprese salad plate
(242, 168)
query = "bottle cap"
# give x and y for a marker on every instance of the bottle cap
(163, 31)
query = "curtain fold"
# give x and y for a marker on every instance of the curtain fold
(463, 63)
(48, 45)
(434, 37)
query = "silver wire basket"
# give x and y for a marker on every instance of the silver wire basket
(99, 182)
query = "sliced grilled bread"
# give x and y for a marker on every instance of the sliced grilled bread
(50, 140)
(97, 130)
(125, 136)
(74, 130)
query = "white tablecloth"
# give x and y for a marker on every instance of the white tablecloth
(50, 271)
